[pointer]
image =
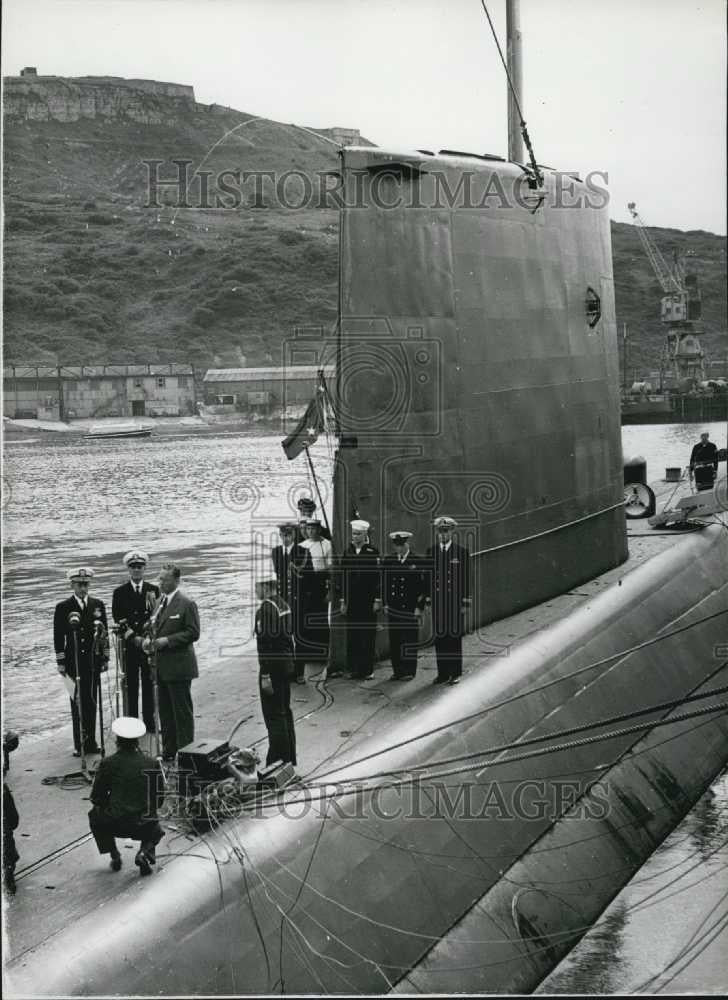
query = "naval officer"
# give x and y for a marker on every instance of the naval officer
(126, 793)
(81, 642)
(360, 600)
(275, 661)
(404, 592)
(448, 573)
(133, 603)
(289, 562)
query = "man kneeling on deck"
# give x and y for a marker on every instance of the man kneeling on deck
(126, 793)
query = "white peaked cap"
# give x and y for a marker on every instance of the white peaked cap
(359, 525)
(136, 556)
(128, 728)
(82, 573)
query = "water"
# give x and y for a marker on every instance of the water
(211, 504)
(208, 503)
(667, 930)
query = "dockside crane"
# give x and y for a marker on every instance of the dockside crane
(680, 310)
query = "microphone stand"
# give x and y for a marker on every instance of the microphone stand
(155, 683)
(98, 688)
(79, 705)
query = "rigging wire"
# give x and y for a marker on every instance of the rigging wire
(522, 124)
(524, 694)
(417, 778)
(502, 748)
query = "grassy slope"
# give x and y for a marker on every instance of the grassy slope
(91, 275)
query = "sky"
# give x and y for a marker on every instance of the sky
(633, 89)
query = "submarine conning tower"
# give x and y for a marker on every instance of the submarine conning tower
(477, 367)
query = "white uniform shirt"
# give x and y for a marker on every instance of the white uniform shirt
(321, 553)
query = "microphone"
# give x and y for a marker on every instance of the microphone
(74, 619)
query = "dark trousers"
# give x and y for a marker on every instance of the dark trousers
(704, 479)
(449, 655)
(104, 828)
(403, 637)
(312, 632)
(361, 631)
(175, 715)
(278, 719)
(137, 667)
(88, 688)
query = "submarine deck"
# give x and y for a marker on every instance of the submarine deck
(60, 875)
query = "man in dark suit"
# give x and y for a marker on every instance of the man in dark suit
(275, 660)
(174, 628)
(133, 603)
(289, 564)
(81, 642)
(360, 599)
(448, 572)
(404, 598)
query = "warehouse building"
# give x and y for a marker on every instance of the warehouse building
(262, 390)
(78, 392)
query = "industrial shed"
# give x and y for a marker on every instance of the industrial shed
(70, 392)
(263, 389)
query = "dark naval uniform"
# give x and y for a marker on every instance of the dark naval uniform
(93, 658)
(448, 581)
(360, 586)
(275, 659)
(704, 464)
(135, 607)
(126, 793)
(289, 567)
(403, 592)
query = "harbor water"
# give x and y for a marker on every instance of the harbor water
(211, 504)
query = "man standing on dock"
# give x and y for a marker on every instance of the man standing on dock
(449, 588)
(133, 603)
(81, 642)
(360, 600)
(704, 463)
(174, 628)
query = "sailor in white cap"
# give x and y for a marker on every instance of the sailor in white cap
(360, 590)
(448, 579)
(131, 608)
(275, 661)
(404, 591)
(81, 643)
(127, 791)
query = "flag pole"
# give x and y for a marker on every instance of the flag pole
(316, 485)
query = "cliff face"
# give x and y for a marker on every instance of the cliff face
(55, 98)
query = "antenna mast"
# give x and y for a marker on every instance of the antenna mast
(515, 72)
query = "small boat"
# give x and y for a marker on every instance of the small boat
(128, 430)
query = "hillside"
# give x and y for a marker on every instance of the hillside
(92, 275)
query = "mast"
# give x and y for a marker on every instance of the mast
(515, 71)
